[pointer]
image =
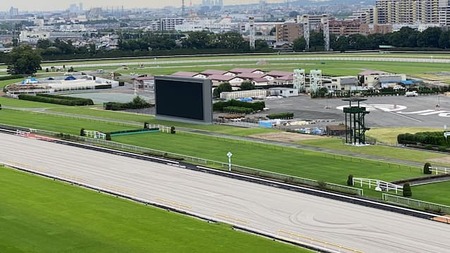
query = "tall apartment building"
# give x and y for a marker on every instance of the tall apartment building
(288, 31)
(344, 27)
(168, 24)
(408, 12)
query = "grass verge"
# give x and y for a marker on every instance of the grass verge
(40, 215)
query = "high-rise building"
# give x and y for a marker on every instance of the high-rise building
(409, 12)
(13, 12)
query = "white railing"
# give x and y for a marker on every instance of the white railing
(437, 171)
(417, 204)
(378, 184)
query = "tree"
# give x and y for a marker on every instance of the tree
(223, 87)
(299, 44)
(429, 37)
(350, 180)
(407, 190)
(231, 40)
(23, 60)
(427, 168)
(316, 41)
(444, 40)
(247, 85)
(341, 44)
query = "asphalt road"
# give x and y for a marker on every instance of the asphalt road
(295, 216)
(387, 111)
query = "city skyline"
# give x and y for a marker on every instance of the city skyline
(25, 5)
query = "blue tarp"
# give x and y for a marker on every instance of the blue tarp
(70, 78)
(30, 80)
(245, 99)
(407, 82)
(266, 123)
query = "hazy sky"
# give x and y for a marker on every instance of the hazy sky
(39, 5)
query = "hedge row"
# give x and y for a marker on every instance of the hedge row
(137, 103)
(423, 138)
(283, 115)
(55, 99)
(255, 106)
(58, 96)
(4, 78)
(103, 86)
(133, 131)
(237, 109)
(116, 106)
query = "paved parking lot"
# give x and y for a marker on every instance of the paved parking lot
(387, 111)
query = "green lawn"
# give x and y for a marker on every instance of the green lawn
(41, 215)
(56, 123)
(320, 166)
(436, 193)
(292, 161)
(377, 150)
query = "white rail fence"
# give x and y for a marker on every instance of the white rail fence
(438, 171)
(379, 185)
(416, 204)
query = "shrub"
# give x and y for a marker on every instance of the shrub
(407, 190)
(322, 184)
(427, 168)
(136, 103)
(56, 99)
(283, 115)
(82, 133)
(108, 136)
(255, 106)
(237, 109)
(350, 180)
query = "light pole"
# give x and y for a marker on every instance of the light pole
(229, 154)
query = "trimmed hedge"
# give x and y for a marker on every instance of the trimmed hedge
(423, 138)
(255, 106)
(283, 115)
(237, 109)
(407, 190)
(137, 103)
(56, 99)
(427, 168)
(4, 78)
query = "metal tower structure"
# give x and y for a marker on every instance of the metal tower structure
(355, 124)
(305, 23)
(326, 32)
(251, 20)
(315, 80)
(183, 8)
(299, 80)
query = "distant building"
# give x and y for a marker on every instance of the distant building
(288, 31)
(406, 12)
(13, 12)
(169, 24)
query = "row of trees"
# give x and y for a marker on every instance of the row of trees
(424, 138)
(406, 37)
(193, 40)
(24, 60)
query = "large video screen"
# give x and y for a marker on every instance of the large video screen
(185, 99)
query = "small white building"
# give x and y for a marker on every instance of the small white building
(285, 92)
(341, 83)
(373, 79)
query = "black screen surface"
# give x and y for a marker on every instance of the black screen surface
(179, 99)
